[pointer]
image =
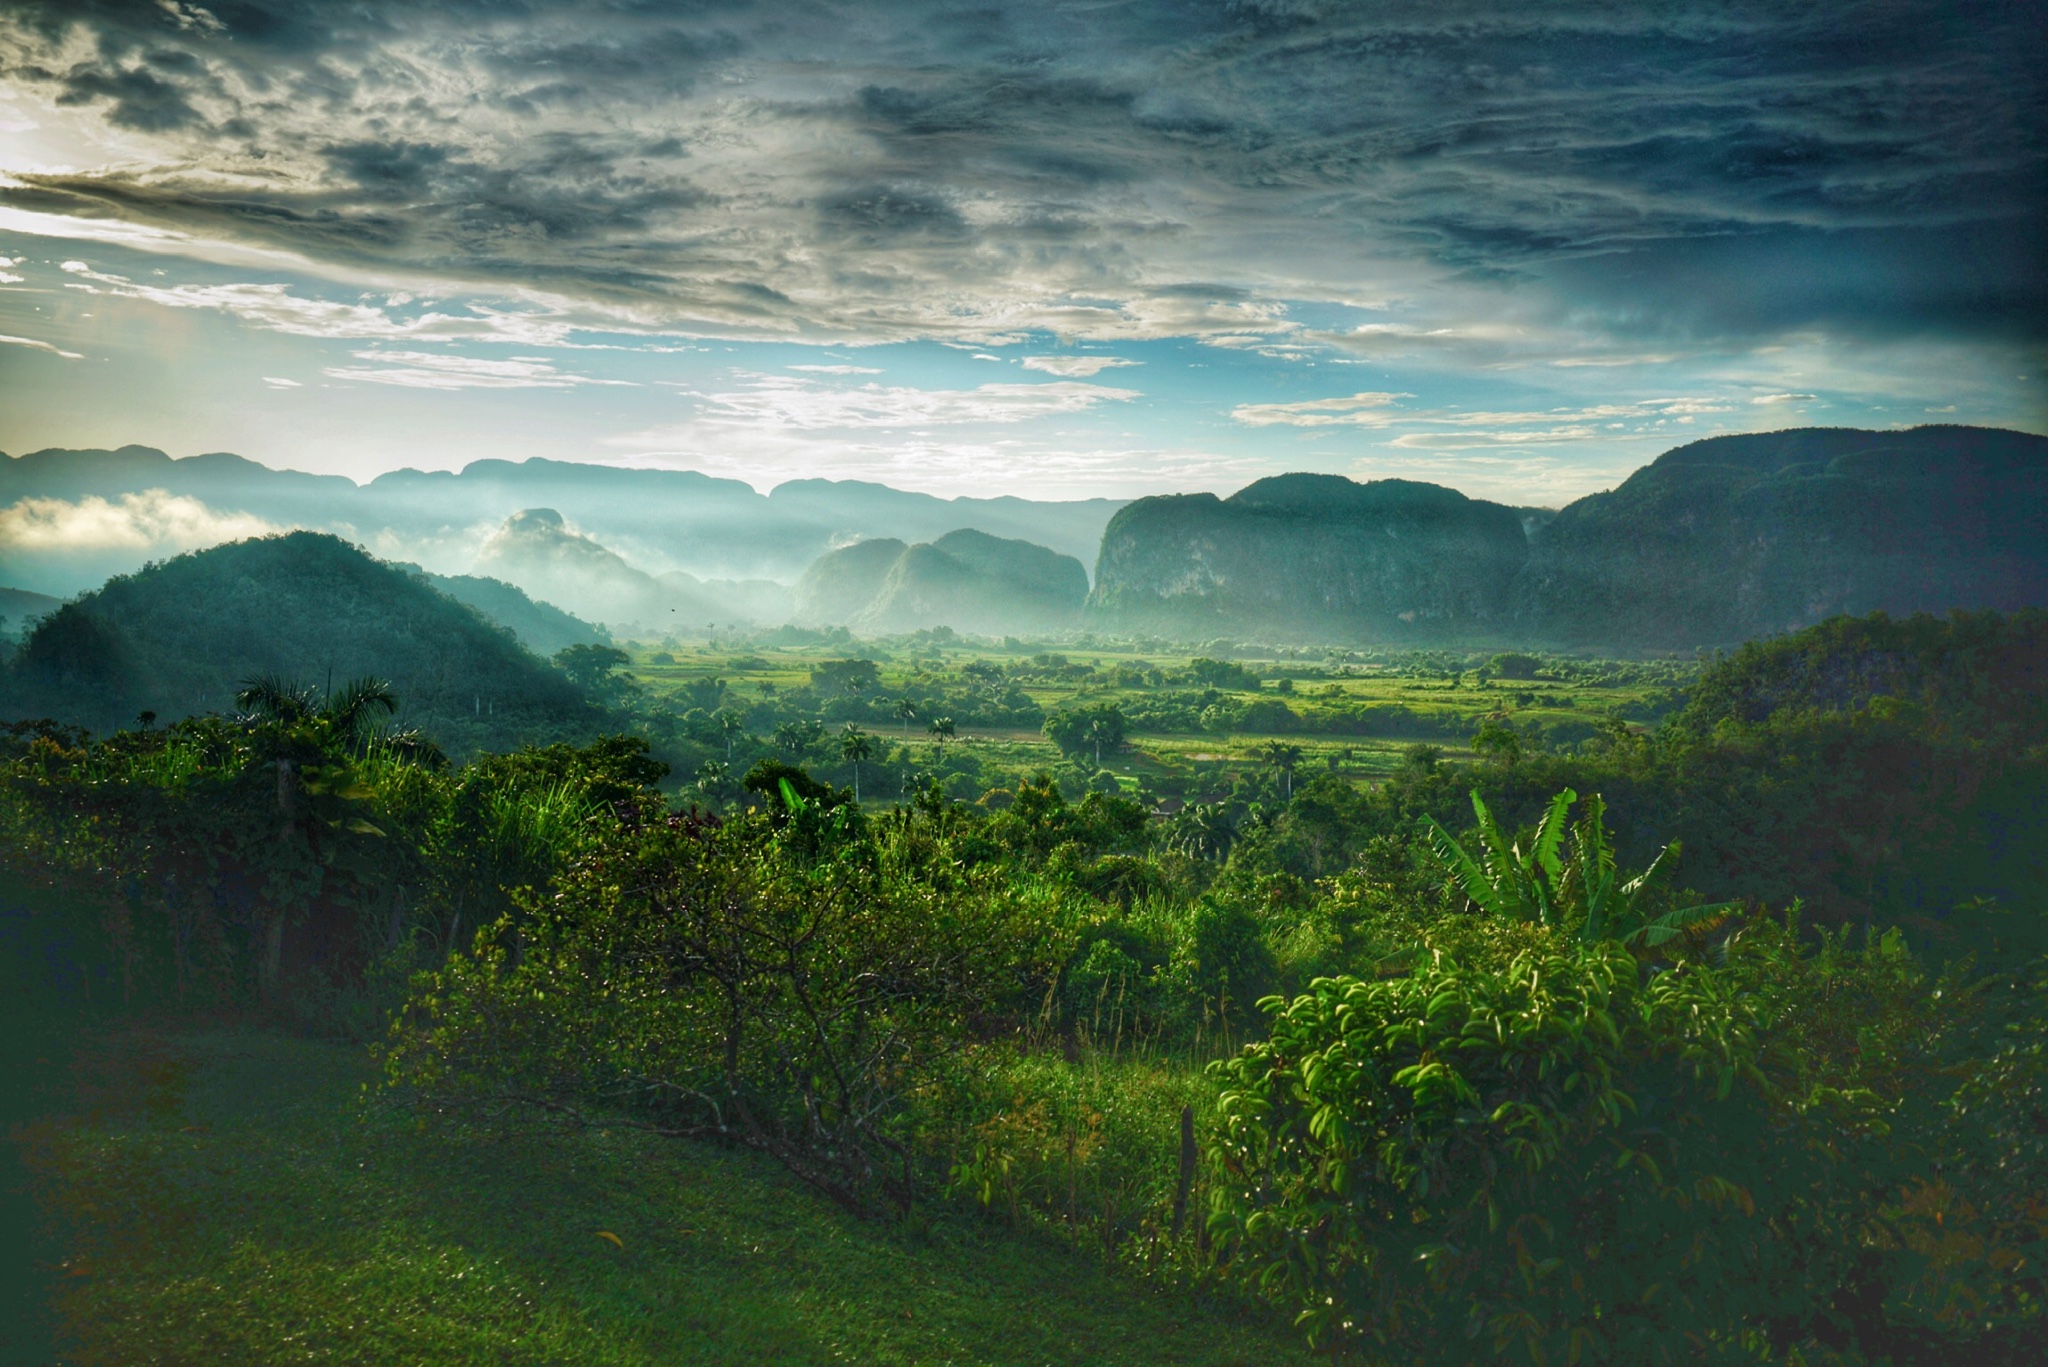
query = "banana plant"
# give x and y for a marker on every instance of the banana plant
(1584, 892)
(1504, 880)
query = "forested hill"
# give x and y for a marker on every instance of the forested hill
(1716, 542)
(178, 638)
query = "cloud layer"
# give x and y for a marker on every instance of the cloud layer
(152, 521)
(1597, 180)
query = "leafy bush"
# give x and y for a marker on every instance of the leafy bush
(730, 980)
(1560, 1159)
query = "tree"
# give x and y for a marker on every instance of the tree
(1497, 741)
(350, 710)
(714, 778)
(1284, 758)
(793, 738)
(851, 677)
(590, 667)
(731, 724)
(1083, 729)
(906, 712)
(855, 745)
(940, 729)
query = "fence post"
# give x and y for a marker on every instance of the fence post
(1187, 1168)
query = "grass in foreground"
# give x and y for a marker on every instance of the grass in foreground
(227, 1199)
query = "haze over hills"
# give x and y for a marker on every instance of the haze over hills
(659, 520)
(541, 627)
(966, 579)
(1715, 542)
(18, 607)
(538, 550)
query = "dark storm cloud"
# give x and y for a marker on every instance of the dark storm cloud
(1711, 171)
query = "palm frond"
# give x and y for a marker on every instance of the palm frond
(1688, 921)
(350, 707)
(1502, 862)
(1463, 871)
(273, 697)
(1550, 833)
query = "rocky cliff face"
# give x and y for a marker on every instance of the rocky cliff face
(967, 580)
(1742, 536)
(1312, 557)
(1715, 542)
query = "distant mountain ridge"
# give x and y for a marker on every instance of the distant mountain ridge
(1718, 541)
(661, 520)
(1735, 537)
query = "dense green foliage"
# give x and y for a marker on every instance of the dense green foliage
(1487, 1080)
(1559, 1159)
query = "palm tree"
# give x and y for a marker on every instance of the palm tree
(712, 777)
(730, 724)
(941, 731)
(906, 712)
(1099, 731)
(349, 709)
(855, 745)
(1284, 758)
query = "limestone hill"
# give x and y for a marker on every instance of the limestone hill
(1716, 542)
(966, 579)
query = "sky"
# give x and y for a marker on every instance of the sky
(1054, 248)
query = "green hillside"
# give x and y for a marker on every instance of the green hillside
(177, 639)
(541, 627)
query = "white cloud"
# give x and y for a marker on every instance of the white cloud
(1075, 367)
(778, 401)
(836, 369)
(1782, 398)
(1476, 441)
(40, 346)
(1354, 410)
(275, 308)
(437, 370)
(153, 520)
(279, 382)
